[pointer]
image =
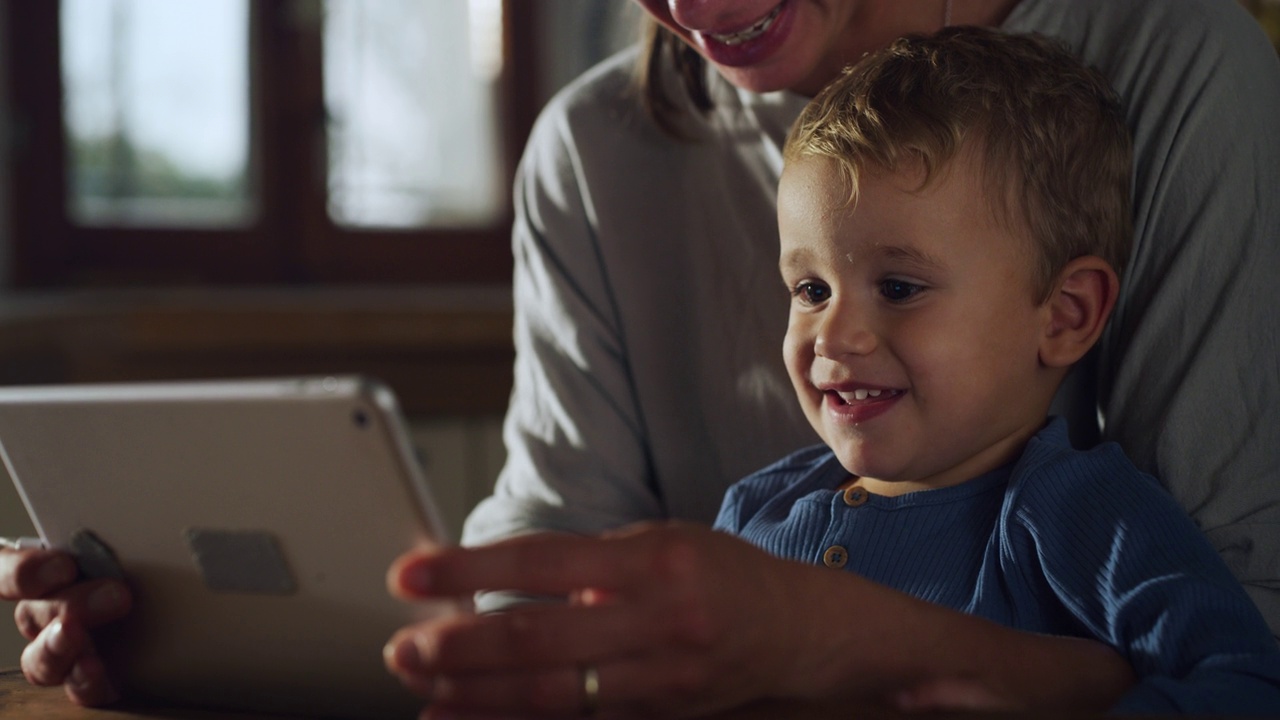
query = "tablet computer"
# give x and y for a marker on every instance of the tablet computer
(254, 521)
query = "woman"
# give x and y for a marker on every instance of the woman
(649, 315)
(649, 318)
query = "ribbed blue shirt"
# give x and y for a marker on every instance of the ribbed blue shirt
(1060, 541)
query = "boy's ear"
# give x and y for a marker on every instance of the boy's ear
(1077, 310)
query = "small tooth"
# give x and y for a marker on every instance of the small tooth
(860, 394)
(873, 393)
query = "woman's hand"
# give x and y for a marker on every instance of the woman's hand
(678, 620)
(675, 620)
(55, 613)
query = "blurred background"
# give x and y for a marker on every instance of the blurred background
(239, 188)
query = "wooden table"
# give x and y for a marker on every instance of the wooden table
(21, 701)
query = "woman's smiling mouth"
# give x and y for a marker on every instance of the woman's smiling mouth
(750, 32)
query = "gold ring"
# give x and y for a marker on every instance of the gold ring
(590, 690)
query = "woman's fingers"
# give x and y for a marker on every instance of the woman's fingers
(550, 563)
(85, 605)
(545, 564)
(952, 694)
(532, 637)
(556, 692)
(641, 687)
(48, 659)
(63, 654)
(60, 651)
(43, 582)
(667, 614)
(54, 612)
(88, 683)
(28, 574)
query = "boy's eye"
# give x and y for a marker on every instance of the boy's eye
(899, 290)
(811, 293)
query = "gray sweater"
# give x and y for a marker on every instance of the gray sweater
(650, 313)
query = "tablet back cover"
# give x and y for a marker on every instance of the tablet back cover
(255, 522)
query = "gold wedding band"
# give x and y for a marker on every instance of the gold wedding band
(590, 690)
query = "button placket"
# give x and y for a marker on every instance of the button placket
(836, 556)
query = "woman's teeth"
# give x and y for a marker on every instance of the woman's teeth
(754, 31)
(860, 394)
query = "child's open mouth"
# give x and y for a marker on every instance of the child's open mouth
(863, 394)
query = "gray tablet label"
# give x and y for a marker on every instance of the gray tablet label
(240, 561)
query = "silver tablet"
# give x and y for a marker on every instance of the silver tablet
(254, 521)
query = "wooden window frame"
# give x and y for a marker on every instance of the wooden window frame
(291, 241)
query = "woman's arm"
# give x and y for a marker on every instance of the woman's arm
(680, 620)
(576, 459)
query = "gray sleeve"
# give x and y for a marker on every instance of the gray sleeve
(1189, 369)
(576, 450)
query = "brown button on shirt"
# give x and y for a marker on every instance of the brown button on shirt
(855, 496)
(835, 557)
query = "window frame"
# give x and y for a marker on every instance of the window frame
(291, 240)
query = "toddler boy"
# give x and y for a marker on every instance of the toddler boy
(953, 215)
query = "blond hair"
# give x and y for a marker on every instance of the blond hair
(1048, 131)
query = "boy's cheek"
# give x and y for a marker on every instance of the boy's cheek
(797, 353)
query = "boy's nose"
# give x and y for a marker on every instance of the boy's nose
(844, 330)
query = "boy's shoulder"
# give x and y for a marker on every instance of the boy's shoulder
(1052, 478)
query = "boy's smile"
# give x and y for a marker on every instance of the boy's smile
(861, 403)
(914, 333)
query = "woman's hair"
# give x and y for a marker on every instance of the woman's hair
(1048, 131)
(669, 107)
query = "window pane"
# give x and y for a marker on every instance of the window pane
(411, 88)
(157, 111)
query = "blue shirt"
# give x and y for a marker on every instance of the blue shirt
(1060, 541)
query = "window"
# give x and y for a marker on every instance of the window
(413, 136)
(265, 141)
(156, 112)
